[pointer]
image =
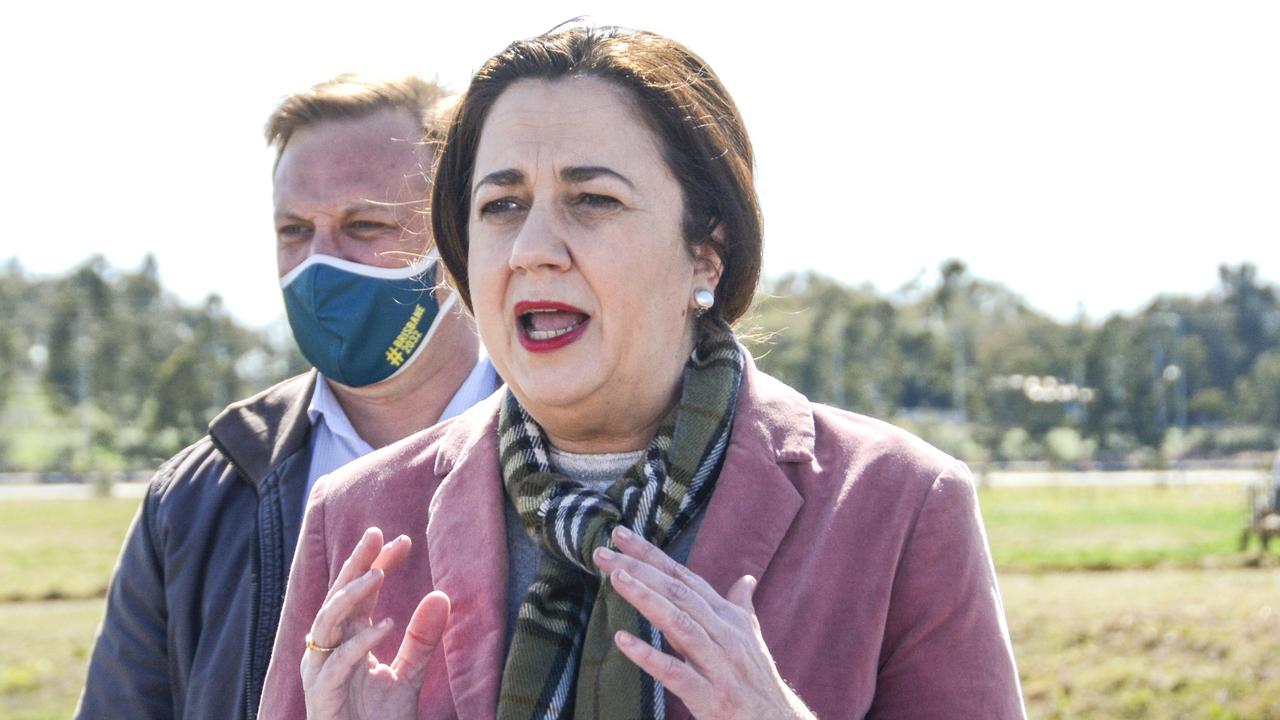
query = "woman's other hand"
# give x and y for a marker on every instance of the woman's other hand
(340, 675)
(727, 671)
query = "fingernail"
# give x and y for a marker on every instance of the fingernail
(621, 576)
(603, 553)
(621, 533)
(624, 638)
(384, 623)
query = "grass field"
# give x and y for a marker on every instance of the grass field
(1196, 644)
(1180, 626)
(1113, 528)
(60, 549)
(43, 656)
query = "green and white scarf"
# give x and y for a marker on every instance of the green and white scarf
(563, 662)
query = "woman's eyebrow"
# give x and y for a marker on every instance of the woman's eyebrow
(501, 178)
(573, 174)
(583, 173)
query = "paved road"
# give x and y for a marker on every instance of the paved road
(1048, 478)
(67, 491)
(13, 487)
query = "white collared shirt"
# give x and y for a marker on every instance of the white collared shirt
(335, 442)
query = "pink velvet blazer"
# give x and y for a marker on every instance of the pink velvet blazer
(877, 595)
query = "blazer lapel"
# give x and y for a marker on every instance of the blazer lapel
(466, 538)
(754, 501)
(747, 517)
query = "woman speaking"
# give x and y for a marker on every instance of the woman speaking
(642, 525)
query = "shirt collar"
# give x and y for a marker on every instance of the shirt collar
(324, 406)
(479, 385)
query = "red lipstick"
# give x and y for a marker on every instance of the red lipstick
(546, 325)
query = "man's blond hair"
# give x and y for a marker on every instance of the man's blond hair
(351, 95)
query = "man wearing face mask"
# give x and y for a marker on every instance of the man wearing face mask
(193, 606)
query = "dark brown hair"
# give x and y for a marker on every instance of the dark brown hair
(350, 96)
(703, 140)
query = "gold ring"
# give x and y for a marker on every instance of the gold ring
(311, 645)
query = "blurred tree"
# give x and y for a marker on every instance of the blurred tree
(124, 364)
(1254, 309)
(8, 362)
(11, 282)
(1259, 391)
(62, 369)
(146, 342)
(182, 393)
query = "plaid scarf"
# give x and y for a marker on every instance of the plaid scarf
(565, 627)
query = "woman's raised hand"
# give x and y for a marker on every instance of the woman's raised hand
(727, 671)
(340, 675)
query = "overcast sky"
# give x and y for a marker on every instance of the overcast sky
(1086, 152)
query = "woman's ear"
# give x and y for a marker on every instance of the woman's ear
(708, 266)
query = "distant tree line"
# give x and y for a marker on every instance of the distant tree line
(102, 369)
(973, 368)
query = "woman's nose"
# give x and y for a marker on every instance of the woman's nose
(540, 242)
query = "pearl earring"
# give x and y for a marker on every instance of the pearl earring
(704, 299)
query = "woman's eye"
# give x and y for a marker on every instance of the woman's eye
(498, 207)
(597, 202)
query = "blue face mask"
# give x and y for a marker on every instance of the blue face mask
(360, 324)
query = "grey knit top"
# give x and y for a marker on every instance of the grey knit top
(596, 471)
